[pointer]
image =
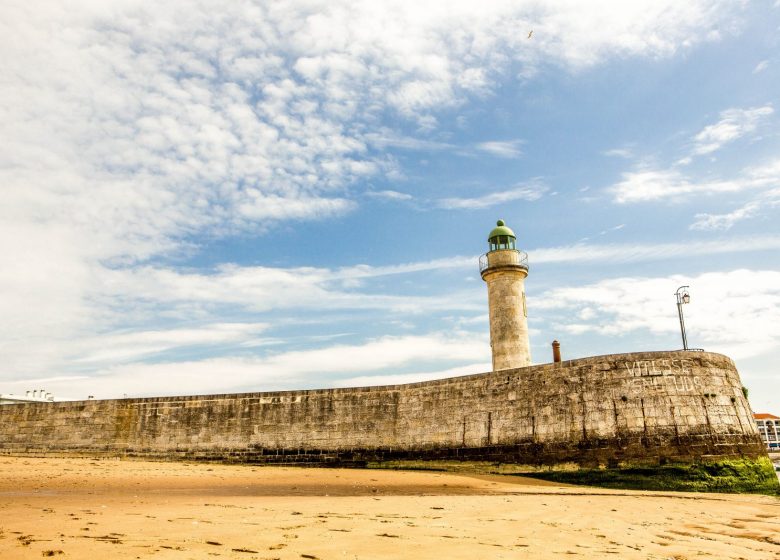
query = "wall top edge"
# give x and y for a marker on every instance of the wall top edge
(551, 367)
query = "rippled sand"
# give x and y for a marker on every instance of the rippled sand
(81, 508)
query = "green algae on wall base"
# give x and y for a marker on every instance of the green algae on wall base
(751, 476)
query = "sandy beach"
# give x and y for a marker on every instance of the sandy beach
(83, 508)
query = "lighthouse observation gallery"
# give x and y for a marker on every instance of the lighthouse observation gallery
(504, 268)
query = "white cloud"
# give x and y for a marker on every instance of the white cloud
(614, 228)
(387, 138)
(367, 271)
(389, 195)
(315, 368)
(401, 378)
(761, 66)
(187, 122)
(635, 252)
(733, 124)
(134, 312)
(116, 348)
(271, 207)
(508, 149)
(115, 362)
(684, 160)
(724, 221)
(735, 312)
(264, 288)
(768, 175)
(765, 175)
(671, 185)
(130, 128)
(624, 153)
(668, 185)
(527, 191)
(190, 122)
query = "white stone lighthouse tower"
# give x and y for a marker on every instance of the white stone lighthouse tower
(504, 268)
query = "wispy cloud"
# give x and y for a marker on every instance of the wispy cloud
(761, 66)
(508, 149)
(635, 252)
(757, 205)
(624, 153)
(134, 312)
(396, 379)
(732, 312)
(115, 363)
(302, 369)
(262, 207)
(709, 222)
(614, 228)
(671, 185)
(117, 348)
(266, 288)
(150, 120)
(733, 124)
(132, 131)
(389, 195)
(582, 253)
(665, 184)
(367, 271)
(526, 191)
(389, 139)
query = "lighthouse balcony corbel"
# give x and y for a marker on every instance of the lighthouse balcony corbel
(511, 258)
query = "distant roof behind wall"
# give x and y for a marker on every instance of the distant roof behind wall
(765, 416)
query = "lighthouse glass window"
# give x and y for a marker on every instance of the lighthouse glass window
(502, 242)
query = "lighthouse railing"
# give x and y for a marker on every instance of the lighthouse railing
(504, 257)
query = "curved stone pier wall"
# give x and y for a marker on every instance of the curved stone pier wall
(604, 410)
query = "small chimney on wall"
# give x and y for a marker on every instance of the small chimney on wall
(556, 346)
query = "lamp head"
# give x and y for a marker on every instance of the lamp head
(502, 237)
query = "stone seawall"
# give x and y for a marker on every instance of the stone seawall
(610, 410)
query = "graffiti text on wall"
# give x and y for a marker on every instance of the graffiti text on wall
(653, 368)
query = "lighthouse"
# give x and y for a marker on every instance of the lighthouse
(504, 268)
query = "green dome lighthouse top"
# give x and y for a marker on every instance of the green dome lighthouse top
(501, 237)
(501, 230)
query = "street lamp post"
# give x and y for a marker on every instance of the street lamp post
(682, 297)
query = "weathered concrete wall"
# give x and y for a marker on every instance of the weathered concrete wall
(641, 407)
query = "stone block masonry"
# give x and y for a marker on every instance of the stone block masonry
(607, 410)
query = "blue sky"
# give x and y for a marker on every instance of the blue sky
(204, 197)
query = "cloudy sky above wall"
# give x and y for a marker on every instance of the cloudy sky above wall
(213, 197)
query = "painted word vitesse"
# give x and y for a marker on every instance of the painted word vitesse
(651, 368)
(654, 375)
(648, 384)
